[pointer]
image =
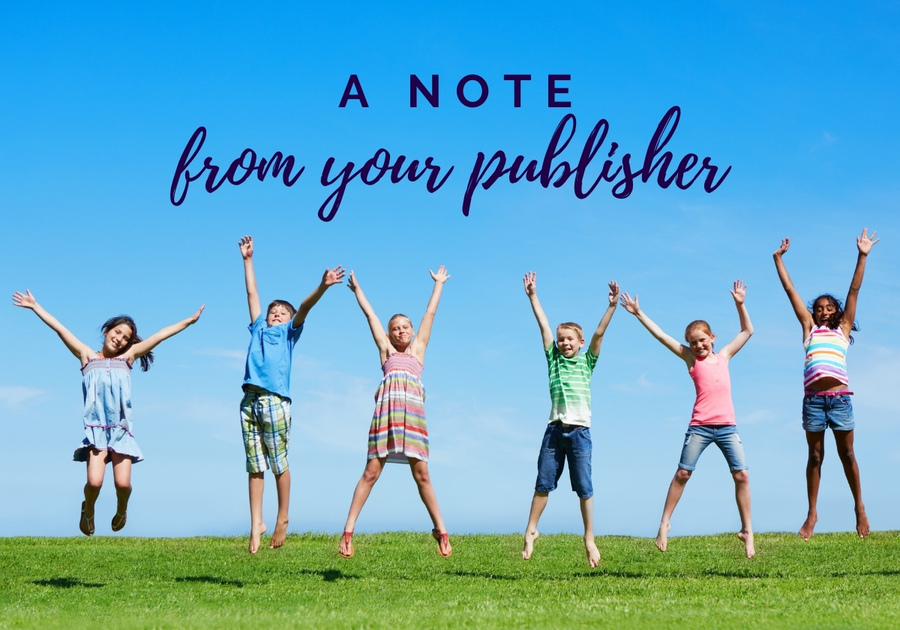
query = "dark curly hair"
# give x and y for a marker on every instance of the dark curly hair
(111, 323)
(833, 321)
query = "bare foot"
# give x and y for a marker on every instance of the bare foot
(528, 549)
(862, 523)
(256, 531)
(86, 523)
(279, 535)
(346, 546)
(662, 536)
(747, 537)
(809, 524)
(593, 553)
(118, 521)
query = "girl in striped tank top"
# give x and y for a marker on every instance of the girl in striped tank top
(398, 432)
(107, 402)
(827, 325)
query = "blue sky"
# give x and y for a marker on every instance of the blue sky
(99, 103)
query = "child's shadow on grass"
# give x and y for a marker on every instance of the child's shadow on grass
(209, 579)
(66, 582)
(329, 575)
(487, 576)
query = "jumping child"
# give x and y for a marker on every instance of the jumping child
(106, 385)
(827, 325)
(398, 432)
(568, 434)
(712, 420)
(266, 405)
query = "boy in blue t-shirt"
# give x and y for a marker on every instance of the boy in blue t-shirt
(266, 406)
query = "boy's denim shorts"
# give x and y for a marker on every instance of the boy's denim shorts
(822, 410)
(562, 442)
(725, 437)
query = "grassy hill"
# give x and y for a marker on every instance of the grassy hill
(398, 580)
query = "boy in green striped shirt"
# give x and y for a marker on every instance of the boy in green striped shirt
(568, 435)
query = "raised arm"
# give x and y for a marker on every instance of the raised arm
(75, 346)
(144, 347)
(330, 277)
(246, 244)
(864, 244)
(739, 293)
(420, 341)
(530, 282)
(597, 339)
(679, 349)
(378, 334)
(803, 315)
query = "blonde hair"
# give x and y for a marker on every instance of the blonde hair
(571, 326)
(395, 316)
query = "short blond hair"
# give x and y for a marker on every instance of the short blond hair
(571, 326)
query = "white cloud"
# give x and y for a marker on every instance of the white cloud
(15, 395)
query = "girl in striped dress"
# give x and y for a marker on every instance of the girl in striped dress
(106, 386)
(398, 431)
(827, 325)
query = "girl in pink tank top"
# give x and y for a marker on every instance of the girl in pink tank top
(712, 420)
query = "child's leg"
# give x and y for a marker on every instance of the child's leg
(370, 475)
(122, 478)
(538, 503)
(283, 486)
(96, 468)
(844, 442)
(256, 482)
(587, 515)
(696, 440)
(815, 440)
(550, 464)
(673, 496)
(422, 478)
(579, 448)
(742, 496)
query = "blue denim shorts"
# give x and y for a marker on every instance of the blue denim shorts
(560, 444)
(724, 436)
(823, 411)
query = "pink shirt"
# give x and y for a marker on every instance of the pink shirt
(713, 384)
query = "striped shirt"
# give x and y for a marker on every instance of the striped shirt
(570, 386)
(826, 355)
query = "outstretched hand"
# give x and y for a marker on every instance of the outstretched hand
(631, 305)
(739, 292)
(352, 284)
(613, 292)
(530, 283)
(196, 315)
(864, 242)
(334, 276)
(246, 245)
(785, 244)
(25, 300)
(441, 276)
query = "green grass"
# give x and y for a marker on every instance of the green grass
(398, 580)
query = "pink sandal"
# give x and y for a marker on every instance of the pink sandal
(348, 543)
(443, 540)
